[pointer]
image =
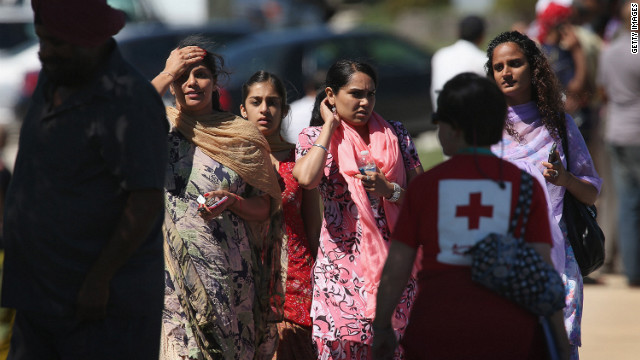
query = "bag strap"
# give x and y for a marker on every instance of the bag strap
(565, 148)
(523, 206)
(565, 144)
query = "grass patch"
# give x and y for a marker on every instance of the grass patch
(430, 157)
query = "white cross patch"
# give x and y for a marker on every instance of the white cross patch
(468, 210)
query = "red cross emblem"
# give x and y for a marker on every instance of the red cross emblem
(474, 210)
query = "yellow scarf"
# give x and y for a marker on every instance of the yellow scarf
(233, 142)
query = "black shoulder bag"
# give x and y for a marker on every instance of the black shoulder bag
(585, 236)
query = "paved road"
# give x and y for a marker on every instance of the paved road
(611, 321)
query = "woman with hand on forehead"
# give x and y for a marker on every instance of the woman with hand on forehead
(222, 262)
(360, 210)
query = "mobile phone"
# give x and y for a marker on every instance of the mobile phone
(552, 153)
(212, 204)
(218, 203)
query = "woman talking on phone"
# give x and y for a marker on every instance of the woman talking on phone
(222, 267)
(360, 209)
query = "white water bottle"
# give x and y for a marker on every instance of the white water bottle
(366, 163)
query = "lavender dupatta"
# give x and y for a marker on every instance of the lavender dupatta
(534, 148)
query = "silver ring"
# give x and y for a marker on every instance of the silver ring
(555, 174)
(368, 177)
(190, 55)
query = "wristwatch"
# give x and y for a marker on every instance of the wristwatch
(396, 193)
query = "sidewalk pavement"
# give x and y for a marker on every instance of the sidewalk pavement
(611, 320)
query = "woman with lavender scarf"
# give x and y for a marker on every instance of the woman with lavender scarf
(535, 121)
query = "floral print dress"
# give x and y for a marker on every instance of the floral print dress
(340, 329)
(220, 251)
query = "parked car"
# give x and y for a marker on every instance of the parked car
(148, 49)
(16, 25)
(19, 49)
(16, 20)
(146, 46)
(404, 69)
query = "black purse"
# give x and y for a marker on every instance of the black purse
(585, 236)
(510, 267)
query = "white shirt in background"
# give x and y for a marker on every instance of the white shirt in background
(298, 119)
(449, 61)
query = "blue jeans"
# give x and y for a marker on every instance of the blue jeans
(626, 174)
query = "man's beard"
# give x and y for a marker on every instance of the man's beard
(66, 72)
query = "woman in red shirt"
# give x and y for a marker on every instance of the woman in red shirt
(265, 104)
(447, 210)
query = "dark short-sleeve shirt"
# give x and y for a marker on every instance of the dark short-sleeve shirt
(76, 165)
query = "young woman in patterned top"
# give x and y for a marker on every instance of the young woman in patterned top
(264, 103)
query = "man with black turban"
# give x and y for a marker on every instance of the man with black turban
(82, 231)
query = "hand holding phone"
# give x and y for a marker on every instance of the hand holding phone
(210, 203)
(222, 200)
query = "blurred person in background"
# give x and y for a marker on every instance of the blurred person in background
(608, 202)
(463, 56)
(223, 290)
(619, 81)
(264, 103)
(573, 49)
(82, 226)
(360, 209)
(573, 54)
(452, 315)
(535, 121)
(300, 114)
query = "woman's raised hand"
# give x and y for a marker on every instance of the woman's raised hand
(181, 59)
(329, 114)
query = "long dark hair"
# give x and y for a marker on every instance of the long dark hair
(316, 117)
(545, 92)
(214, 62)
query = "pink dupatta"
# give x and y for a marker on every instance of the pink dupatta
(383, 146)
